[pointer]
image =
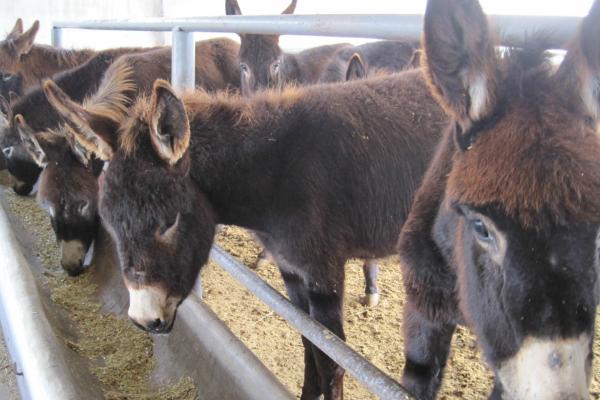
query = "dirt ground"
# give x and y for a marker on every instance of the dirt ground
(8, 383)
(373, 332)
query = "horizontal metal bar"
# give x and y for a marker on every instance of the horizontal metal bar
(368, 374)
(378, 26)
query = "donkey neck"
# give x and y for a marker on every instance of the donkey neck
(44, 61)
(235, 164)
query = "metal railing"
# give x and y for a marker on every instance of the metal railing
(377, 26)
(407, 27)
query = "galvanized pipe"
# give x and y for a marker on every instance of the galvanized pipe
(183, 61)
(378, 26)
(368, 374)
(56, 37)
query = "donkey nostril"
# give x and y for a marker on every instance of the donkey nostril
(155, 324)
(555, 360)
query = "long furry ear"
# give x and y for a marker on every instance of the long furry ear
(93, 131)
(579, 73)
(30, 142)
(460, 60)
(6, 114)
(356, 68)
(169, 124)
(16, 30)
(232, 7)
(291, 8)
(24, 42)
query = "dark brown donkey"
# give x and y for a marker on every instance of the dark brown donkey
(503, 233)
(68, 187)
(33, 62)
(264, 65)
(39, 115)
(324, 173)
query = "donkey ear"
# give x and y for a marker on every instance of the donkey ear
(13, 97)
(30, 142)
(232, 7)
(24, 42)
(579, 73)
(459, 58)
(169, 124)
(16, 30)
(93, 131)
(291, 8)
(5, 109)
(356, 68)
(415, 59)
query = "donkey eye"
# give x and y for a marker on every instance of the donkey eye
(244, 68)
(481, 230)
(276, 66)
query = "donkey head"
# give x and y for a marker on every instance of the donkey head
(261, 59)
(520, 217)
(16, 44)
(11, 85)
(24, 171)
(69, 183)
(68, 191)
(162, 225)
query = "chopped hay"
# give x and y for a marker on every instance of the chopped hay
(376, 333)
(121, 355)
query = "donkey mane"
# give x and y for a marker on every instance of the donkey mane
(111, 98)
(220, 107)
(63, 57)
(110, 101)
(538, 165)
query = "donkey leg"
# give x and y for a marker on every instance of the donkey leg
(427, 344)
(326, 306)
(297, 292)
(371, 270)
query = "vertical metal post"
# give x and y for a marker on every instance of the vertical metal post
(56, 37)
(183, 61)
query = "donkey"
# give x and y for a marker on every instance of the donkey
(384, 56)
(323, 173)
(69, 181)
(40, 115)
(68, 185)
(503, 233)
(264, 65)
(19, 55)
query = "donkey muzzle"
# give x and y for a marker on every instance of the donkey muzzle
(548, 369)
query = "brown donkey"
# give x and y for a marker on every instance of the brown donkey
(68, 187)
(19, 56)
(324, 173)
(264, 65)
(503, 234)
(69, 182)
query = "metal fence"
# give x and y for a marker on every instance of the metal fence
(407, 27)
